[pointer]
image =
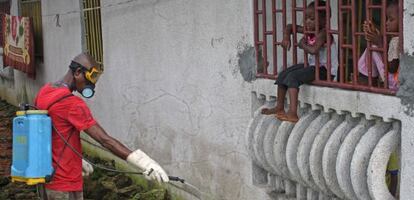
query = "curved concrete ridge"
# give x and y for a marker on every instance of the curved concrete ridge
(362, 154)
(250, 132)
(293, 142)
(378, 162)
(268, 142)
(316, 152)
(330, 152)
(258, 138)
(301, 192)
(290, 189)
(311, 194)
(343, 162)
(279, 148)
(305, 146)
(276, 185)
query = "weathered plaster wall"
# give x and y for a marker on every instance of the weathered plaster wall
(173, 86)
(176, 84)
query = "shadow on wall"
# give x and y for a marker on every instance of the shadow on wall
(406, 77)
(247, 63)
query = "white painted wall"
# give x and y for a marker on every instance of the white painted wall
(172, 87)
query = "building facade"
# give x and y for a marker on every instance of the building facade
(179, 82)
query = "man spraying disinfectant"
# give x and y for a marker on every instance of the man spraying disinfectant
(70, 115)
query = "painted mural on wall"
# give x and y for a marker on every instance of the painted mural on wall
(19, 44)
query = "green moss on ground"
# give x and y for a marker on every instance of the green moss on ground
(112, 185)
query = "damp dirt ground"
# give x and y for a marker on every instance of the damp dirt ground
(102, 185)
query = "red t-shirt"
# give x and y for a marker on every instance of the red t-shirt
(70, 116)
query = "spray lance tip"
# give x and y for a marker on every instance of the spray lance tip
(176, 178)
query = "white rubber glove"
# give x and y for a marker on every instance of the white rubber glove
(152, 170)
(87, 168)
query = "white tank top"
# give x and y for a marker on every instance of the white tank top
(323, 58)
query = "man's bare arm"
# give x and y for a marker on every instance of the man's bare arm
(116, 147)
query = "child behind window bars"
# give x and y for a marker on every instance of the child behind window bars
(373, 35)
(291, 78)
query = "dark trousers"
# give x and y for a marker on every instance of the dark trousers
(297, 75)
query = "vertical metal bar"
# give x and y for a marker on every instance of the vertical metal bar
(340, 42)
(256, 30)
(95, 29)
(317, 61)
(264, 37)
(354, 55)
(348, 35)
(359, 25)
(295, 39)
(87, 13)
(384, 41)
(98, 31)
(284, 19)
(401, 24)
(274, 30)
(100, 34)
(305, 55)
(328, 39)
(87, 25)
(368, 58)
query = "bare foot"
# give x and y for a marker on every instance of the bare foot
(271, 111)
(290, 117)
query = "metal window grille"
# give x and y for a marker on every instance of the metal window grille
(93, 29)
(271, 18)
(33, 8)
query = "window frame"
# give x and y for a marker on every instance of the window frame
(261, 30)
(91, 20)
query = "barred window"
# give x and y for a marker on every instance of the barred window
(343, 27)
(92, 29)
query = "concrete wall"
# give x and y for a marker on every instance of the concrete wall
(177, 84)
(172, 86)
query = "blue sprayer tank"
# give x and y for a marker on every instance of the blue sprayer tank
(32, 147)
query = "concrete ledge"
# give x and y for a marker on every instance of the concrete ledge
(356, 102)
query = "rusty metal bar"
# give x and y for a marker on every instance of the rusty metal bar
(274, 32)
(336, 32)
(328, 39)
(369, 52)
(375, 48)
(384, 41)
(355, 87)
(264, 27)
(256, 32)
(266, 76)
(341, 43)
(354, 45)
(305, 55)
(371, 6)
(294, 38)
(317, 61)
(284, 21)
(401, 24)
